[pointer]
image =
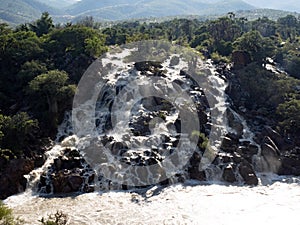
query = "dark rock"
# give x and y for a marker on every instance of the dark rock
(178, 125)
(228, 174)
(247, 172)
(39, 160)
(240, 58)
(196, 174)
(118, 148)
(75, 182)
(174, 61)
(237, 158)
(270, 142)
(57, 163)
(228, 145)
(228, 158)
(147, 65)
(74, 154)
(274, 135)
(202, 117)
(193, 170)
(252, 149)
(290, 165)
(234, 123)
(67, 182)
(61, 183)
(248, 151)
(71, 163)
(268, 150)
(12, 180)
(106, 140)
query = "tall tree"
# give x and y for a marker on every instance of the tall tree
(53, 87)
(257, 46)
(42, 25)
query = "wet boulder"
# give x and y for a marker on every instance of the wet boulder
(12, 180)
(247, 173)
(147, 65)
(229, 174)
(290, 165)
(67, 182)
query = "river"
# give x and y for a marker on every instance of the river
(275, 202)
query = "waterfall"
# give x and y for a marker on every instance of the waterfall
(134, 125)
(173, 120)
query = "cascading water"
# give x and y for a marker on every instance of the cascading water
(141, 130)
(153, 129)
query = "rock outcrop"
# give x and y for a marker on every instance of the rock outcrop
(12, 180)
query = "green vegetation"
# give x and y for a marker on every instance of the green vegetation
(17, 131)
(289, 111)
(41, 64)
(59, 218)
(6, 216)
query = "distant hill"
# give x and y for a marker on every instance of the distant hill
(128, 9)
(272, 14)
(58, 3)
(21, 11)
(287, 5)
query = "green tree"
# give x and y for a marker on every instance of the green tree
(287, 27)
(224, 29)
(42, 25)
(52, 87)
(265, 26)
(30, 70)
(17, 131)
(257, 46)
(289, 112)
(73, 48)
(95, 46)
(15, 49)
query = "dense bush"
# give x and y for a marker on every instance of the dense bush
(59, 218)
(6, 216)
(17, 132)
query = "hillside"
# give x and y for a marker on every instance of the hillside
(62, 11)
(272, 14)
(287, 5)
(127, 9)
(20, 11)
(58, 3)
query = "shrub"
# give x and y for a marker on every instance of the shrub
(6, 216)
(59, 218)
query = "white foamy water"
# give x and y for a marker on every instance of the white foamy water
(194, 203)
(274, 201)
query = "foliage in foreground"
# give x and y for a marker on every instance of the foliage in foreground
(6, 216)
(59, 218)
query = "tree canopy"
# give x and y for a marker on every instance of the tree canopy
(41, 64)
